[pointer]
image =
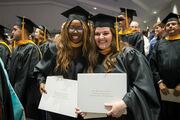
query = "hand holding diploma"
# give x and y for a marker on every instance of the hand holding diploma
(116, 109)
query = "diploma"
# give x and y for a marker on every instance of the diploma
(95, 89)
(61, 96)
(170, 97)
(95, 115)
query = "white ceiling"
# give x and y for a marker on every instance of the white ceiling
(144, 8)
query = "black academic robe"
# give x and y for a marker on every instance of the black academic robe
(23, 60)
(44, 46)
(136, 40)
(141, 97)
(165, 66)
(47, 67)
(4, 54)
(6, 107)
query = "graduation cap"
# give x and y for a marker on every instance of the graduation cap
(27, 23)
(170, 17)
(45, 31)
(129, 12)
(78, 13)
(103, 20)
(2, 31)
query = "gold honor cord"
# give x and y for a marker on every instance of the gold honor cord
(117, 40)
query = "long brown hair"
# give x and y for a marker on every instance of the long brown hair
(110, 60)
(65, 50)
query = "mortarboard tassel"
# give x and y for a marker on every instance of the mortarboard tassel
(117, 40)
(22, 28)
(45, 35)
(127, 21)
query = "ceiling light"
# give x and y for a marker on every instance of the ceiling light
(154, 12)
(94, 8)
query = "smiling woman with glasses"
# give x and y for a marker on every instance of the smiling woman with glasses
(68, 56)
(75, 28)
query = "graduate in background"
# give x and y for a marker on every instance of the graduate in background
(134, 25)
(68, 56)
(133, 38)
(106, 56)
(5, 50)
(166, 68)
(23, 60)
(42, 38)
(159, 34)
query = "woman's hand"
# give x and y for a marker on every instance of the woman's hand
(79, 112)
(177, 90)
(163, 88)
(42, 88)
(116, 109)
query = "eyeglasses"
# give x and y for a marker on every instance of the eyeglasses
(73, 28)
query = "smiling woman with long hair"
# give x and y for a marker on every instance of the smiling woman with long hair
(68, 56)
(73, 43)
(141, 100)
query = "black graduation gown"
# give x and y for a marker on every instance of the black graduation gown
(4, 54)
(6, 107)
(23, 60)
(46, 67)
(43, 47)
(136, 40)
(141, 97)
(165, 66)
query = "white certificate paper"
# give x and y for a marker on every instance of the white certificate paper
(61, 96)
(170, 97)
(95, 89)
(95, 115)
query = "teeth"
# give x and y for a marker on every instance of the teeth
(102, 41)
(75, 37)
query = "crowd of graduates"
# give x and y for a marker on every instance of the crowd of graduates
(90, 43)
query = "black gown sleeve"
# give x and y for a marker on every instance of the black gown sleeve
(44, 47)
(154, 64)
(141, 97)
(138, 37)
(46, 65)
(4, 54)
(5, 96)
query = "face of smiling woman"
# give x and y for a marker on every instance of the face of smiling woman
(75, 31)
(103, 37)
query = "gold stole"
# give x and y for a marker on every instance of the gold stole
(105, 51)
(23, 42)
(3, 43)
(175, 37)
(76, 45)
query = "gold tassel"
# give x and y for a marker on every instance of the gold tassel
(22, 29)
(117, 40)
(127, 21)
(45, 35)
(14, 44)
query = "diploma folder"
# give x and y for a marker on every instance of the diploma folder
(95, 89)
(170, 97)
(61, 97)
